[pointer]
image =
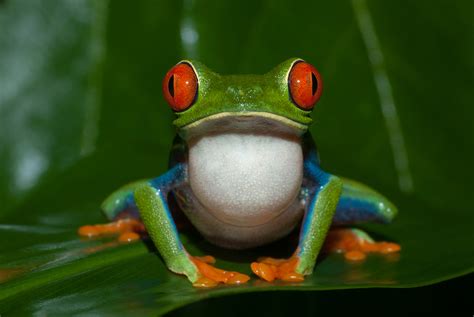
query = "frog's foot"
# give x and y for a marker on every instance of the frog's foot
(270, 269)
(212, 276)
(128, 230)
(355, 244)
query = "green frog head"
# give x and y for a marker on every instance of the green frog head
(202, 98)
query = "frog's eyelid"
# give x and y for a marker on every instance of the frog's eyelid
(288, 71)
(198, 77)
(186, 61)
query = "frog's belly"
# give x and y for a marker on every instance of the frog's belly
(237, 237)
(244, 187)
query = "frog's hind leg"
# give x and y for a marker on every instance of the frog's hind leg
(120, 208)
(355, 244)
(358, 204)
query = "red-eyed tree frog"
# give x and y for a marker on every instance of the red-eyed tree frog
(245, 171)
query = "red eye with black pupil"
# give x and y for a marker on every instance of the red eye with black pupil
(180, 87)
(305, 85)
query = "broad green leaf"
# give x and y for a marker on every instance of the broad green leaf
(81, 103)
(49, 59)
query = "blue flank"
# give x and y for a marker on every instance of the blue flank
(351, 210)
(130, 208)
(125, 206)
(168, 180)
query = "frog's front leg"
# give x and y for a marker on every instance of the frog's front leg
(316, 223)
(151, 201)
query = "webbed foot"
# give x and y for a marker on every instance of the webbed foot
(270, 269)
(212, 276)
(128, 230)
(355, 244)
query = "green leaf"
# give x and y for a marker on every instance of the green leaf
(48, 68)
(82, 113)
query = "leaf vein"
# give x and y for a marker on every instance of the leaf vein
(384, 90)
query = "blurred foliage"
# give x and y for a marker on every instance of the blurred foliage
(82, 113)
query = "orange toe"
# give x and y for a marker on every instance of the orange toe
(212, 276)
(206, 259)
(127, 229)
(204, 282)
(270, 269)
(355, 248)
(355, 255)
(88, 231)
(128, 237)
(265, 271)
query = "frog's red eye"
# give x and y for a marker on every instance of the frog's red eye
(180, 87)
(305, 85)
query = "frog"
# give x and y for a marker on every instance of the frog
(245, 171)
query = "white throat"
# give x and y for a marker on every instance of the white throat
(246, 178)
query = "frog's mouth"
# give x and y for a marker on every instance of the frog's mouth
(245, 122)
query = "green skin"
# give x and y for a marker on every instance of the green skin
(257, 95)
